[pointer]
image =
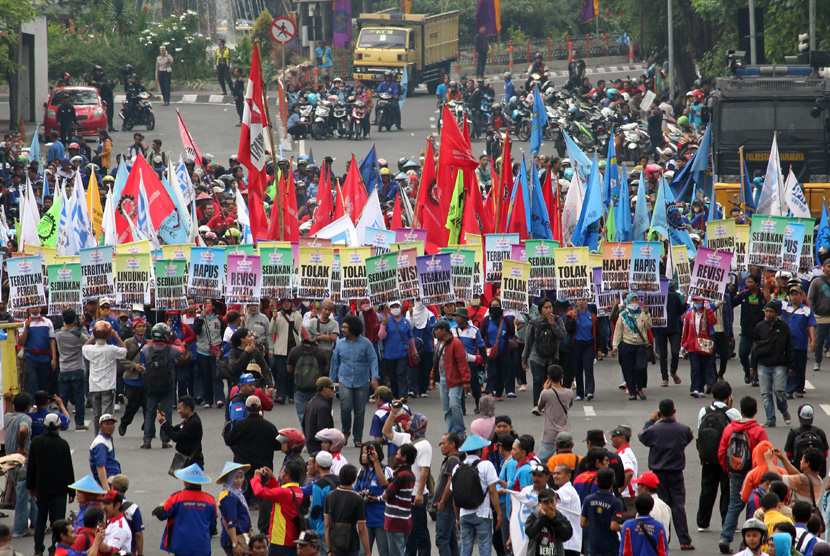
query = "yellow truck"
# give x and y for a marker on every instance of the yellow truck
(425, 45)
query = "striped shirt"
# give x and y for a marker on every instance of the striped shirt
(399, 494)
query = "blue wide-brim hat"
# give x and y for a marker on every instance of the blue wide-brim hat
(230, 467)
(473, 443)
(192, 474)
(88, 484)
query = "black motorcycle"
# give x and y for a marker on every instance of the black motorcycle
(384, 114)
(137, 110)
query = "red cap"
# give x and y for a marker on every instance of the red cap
(647, 479)
(113, 496)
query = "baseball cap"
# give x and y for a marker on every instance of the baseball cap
(246, 378)
(647, 479)
(120, 483)
(621, 430)
(324, 382)
(564, 438)
(547, 494)
(806, 414)
(52, 422)
(324, 459)
(308, 537)
(538, 468)
(595, 437)
(107, 417)
(253, 401)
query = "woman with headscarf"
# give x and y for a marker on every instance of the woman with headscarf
(483, 426)
(422, 320)
(780, 544)
(233, 509)
(630, 341)
(497, 329)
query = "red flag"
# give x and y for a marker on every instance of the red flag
(190, 147)
(455, 149)
(397, 221)
(339, 208)
(288, 206)
(505, 188)
(490, 204)
(475, 216)
(354, 192)
(160, 204)
(554, 205)
(324, 215)
(517, 216)
(427, 178)
(252, 148)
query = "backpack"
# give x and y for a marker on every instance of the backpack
(710, 432)
(236, 408)
(545, 342)
(808, 439)
(158, 373)
(738, 453)
(306, 371)
(466, 486)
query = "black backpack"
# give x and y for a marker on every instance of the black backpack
(803, 441)
(158, 373)
(710, 432)
(545, 341)
(306, 371)
(466, 486)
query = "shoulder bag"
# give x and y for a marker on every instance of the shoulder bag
(704, 346)
(412, 357)
(180, 461)
(493, 353)
(815, 511)
(650, 357)
(647, 536)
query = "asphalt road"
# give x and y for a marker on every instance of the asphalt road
(150, 484)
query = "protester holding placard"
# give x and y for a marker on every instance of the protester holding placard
(497, 330)
(700, 347)
(630, 340)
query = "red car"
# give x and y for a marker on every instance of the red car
(89, 108)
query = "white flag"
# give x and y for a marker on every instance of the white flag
(242, 209)
(371, 217)
(770, 201)
(340, 232)
(108, 224)
(794, 197)
(65, 242)
(572, 207)
(29, 219)
(81, 224)
(522, 503)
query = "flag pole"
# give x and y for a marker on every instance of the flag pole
(278, 199)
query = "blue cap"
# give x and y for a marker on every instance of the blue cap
(230, 467)
(247, 378)
(65, 160)
(88, 484)
(474, 443)
(192, 474)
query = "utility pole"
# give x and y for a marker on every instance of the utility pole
(671, 49)
(812, 17)
(753, 56)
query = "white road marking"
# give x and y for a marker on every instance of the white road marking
(826, 408)
(189, 98)
(589, 411)
(808, 385)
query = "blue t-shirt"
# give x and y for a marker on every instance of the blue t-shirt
(39, 415)
(601, 509)
(799, 319)
(102, 454)
(493, 332)
(235, 514)
(367, 479)
(584, 325)
(508, 475)
(398, 334)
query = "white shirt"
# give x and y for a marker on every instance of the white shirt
(118, 534)
(748, 552)
(423, 459)
(662, 513)
(571, 507)
(338, 462)
(629, 462)
(487, 476)
(732, 413)
(102, 368)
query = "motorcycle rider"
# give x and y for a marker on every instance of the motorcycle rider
(538, 66)
(391, 86)
(365, 96)
(509, 88)
(453, 93)
(497, 121)
(340, 89)
(134, 88)
(388, 186)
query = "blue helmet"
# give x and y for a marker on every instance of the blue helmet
(568, 174)
(612, 93)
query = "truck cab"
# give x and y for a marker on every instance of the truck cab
(380, 49)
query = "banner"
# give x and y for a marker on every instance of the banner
(407, 269)
(616, 262)
(605, 301)
(515, 282)
(793, 242)
(415, 234)
(711, 274)
(655, 303)
(496, 248)
(381, 240)
(353, 272)
(475, 242)
(336, 280)
(64, 288)
(518, 253)
(539, 254)
(741, 245)
(382, 278)
(171, 284)
(277, 271)
(244, 283)
(720, 235)
(766, 241)
(573, 279)
(644, 272)
(204, 280)
(180, 252)
(315, 273)
(132, 284)
(25, 283)
(417, 245)
(96, 273)
(808, 247)
(435, 279)
(463, 271)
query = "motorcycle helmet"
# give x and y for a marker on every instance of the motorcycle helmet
(382, 162)
(74, 146)
(823, 254)
(312, 98)
(385, 172)
(160, 333)
(102, 330)
(388, 73)
(334, 436)
(453, 85)
(516, 113)
(568, 174)
(497, 107)
(537, 56)
(401, 161)
(626, 97)
(573, 110)
(783, 274)
(295, 439)
(794, 283)
(683, 120)
(602, 164)
(128, 69)
(97, 68)
(612, 93)
(508, 76)
(755, 525)
(652, 172)
(66, 76)
(606, 112)
(337, 80)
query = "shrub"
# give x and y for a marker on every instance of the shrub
(188, 48)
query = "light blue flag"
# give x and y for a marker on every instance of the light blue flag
(586, 232)
(578, 159)
(700, 165)
(611, 178)
(120, 181)
(823, 234)
(622, 212)
(538, 121)
(539, 222)
(642, 218)
(668, 220)
(34, 150)
(171, 231)
(404, 87)
(80, 221)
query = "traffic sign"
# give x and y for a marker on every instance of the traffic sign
(283, 30)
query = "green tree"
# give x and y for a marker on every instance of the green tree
(12, 14)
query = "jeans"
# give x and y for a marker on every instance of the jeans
(396, 543)
(474, 528)
(136, 399)
(736, 481)
(301, 400)
(446, 538)
(582, 363)
(545, 451)
(283, 382)
(773, 378)
(72, 390)
(37, 375)
(418, 543)
(48, 507)
(157, 400)
(353, 400)
(703, 374)
(822, 333)
(481, 61)
(744, 350)
(663, 341)
(397, 369)
(102, 402)
(451, 404)
(540, 375)
(500, 375)
(634, 366)
(376, 534)
(25, 509)
(211, 386)
(795, 383)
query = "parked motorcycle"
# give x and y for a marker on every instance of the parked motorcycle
(137, 111)
(384, 115)
(320, 127)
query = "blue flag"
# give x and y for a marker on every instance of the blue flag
(668, 219)
(641, 216)
(586, 232)
(369, 171)
(611, 178)
(578, 159)
(539, 217)
(823, 234)
(177, 233)
(34, 150)
(311, 157)
(700, 165)
(747, 195)
(622, 214)
(538, 121)
(120, 181)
